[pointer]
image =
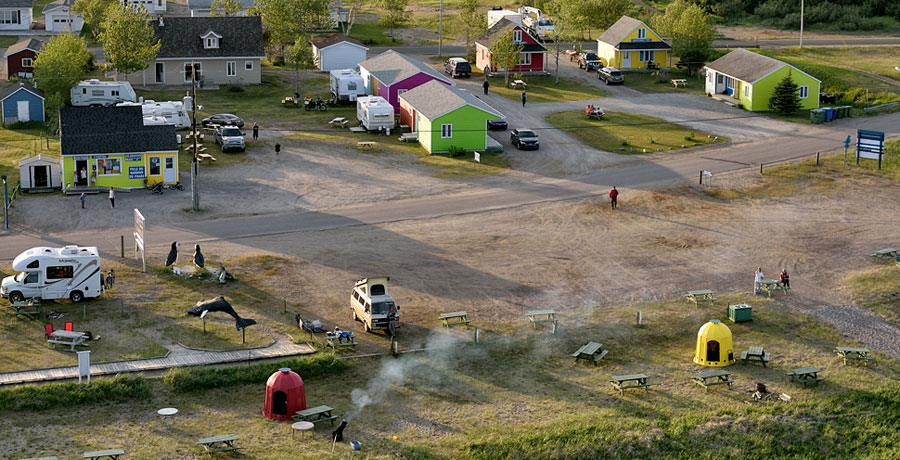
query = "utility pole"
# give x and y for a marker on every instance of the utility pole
(801, 23)
(195, 165)
(441, 29)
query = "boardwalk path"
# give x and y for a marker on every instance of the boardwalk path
(176, 358)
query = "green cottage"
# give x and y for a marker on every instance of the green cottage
(446, 117)
(748, 79)
(106, 147)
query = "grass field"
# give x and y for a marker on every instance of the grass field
(879, 60)
(650, 82)
(373, 33)
(876, 289)
(628, 133)
(544, 89)
(17, 144)
(8, 40)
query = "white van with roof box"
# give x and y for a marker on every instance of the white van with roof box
(371, 304)
(71, 272)
(94, 92)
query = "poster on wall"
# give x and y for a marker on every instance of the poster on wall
(136, 172)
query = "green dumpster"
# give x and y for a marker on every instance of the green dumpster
(740, 312)
(848, 111)
(817, 115)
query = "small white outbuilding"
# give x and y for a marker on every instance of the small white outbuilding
(39, 173)
(336, 51)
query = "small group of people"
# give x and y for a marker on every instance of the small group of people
(342, 335)
(111, 194)
(783, 277)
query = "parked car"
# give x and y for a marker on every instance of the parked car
(497, 125)
(458, 67)
(524, 139)
(611, 75)
(224, 119)
(589, 62)
(230, 138)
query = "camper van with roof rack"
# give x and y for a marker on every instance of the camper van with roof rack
(70, 272)
(371, 303)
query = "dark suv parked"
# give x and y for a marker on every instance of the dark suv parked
(611, 75)
(524, 139)
(458, 67)
(589, 62)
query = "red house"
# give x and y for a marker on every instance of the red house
(532, 59)
(20, 58)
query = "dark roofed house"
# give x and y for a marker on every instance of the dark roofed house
(337, 51)
(20, 58)
(631, 44)
(222, 50)
(532, 59)
(115, 149)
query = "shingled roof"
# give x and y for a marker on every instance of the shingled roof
(620, 30)
(434, 99)
(748, 66)
(21, 86)
(501, 26)
(57, 4)
(16, 3)
(180, 37)
(27, 44)
(99, 130)
(390, 67)
(324, 41)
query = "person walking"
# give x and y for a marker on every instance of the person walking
(112, 197)
(83, 197)
(524, 97)
(277, 151)
(785, 278)
(758, 277)
(613, 197)
(486, 85)
(255, 131)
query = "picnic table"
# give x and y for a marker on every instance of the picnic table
(70, 338)
(409, 137)
(315, 415)
(885, 255)
(220, 443)
(591, 351)
(108, 453)
(805, 375)
(679, 82)
(621, 382)
(854, 354)
(455, 318)
(701, 295)
(334, 340)
(519, 84)
(192, 134)
(541, 316)
(28, 307)
(366, 145)
(205, 156)
(339, 121)
(755, 354)
(772, 285)
(715, 377)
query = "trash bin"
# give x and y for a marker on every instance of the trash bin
(848, 111)
(740, 312)
(832, 114)
(817, 115)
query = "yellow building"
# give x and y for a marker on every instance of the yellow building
(631, 44)
(714, 345)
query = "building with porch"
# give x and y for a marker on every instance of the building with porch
(748, 79)
(631, 44)
(532, 60)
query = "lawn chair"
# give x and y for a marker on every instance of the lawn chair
(48, 330)
(70, 326)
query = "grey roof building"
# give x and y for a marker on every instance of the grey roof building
(745, 65)
(434, 99)
(16, 3)
(390, 67)
(106, 130)
(183, 37)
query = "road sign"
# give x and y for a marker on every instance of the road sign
(139, 237)
(869, 145)
(477, 157)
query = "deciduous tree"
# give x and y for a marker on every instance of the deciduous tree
(62, 62)
(225, 8)
(394, 14)
(283, 20)
(690, 30)
(505, 53)
(128, 39)
(786, 98)
(299, 56)
(470, 22)
(93, 12)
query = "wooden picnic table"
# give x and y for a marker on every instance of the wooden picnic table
(28, 307)
(315, 415)
(455, 318)
(885, 255)
(220, 443)
(755, 354)
(205, 156)
(805, 375)
(339, 121)
(591, 351)
(772, 285)
(679, 82)
(366, 145)
(549, 316)
(519, 84)
(70, 338)
(108, 453)
(621, 382)
(334, 340)
(715, 377)
(701, 295)
(854, 354)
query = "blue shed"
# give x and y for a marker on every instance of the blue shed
(22, 103)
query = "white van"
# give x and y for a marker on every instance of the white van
(71, 272)
(347, 85)
(94, 92)
(374, 113)
(371, 303)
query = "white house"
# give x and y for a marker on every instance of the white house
(336, 51)
(153, 7)
(59, 18)
(16, 14)
(39, 172)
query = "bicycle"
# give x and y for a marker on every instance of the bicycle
(156, 189)
(175, 186)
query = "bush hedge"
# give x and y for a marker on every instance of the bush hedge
(40, 397)
(204, 378)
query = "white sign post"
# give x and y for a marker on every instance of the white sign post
(139, 237)
(477, 159)
(84, 365)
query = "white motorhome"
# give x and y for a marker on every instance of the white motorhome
(71, 272)
(536, 23)
(94, 92)
(174, 112)
(374, 113)
(371, 303)
(347, 85)
(496, 14)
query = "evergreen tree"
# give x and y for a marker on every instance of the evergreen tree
(786, 98)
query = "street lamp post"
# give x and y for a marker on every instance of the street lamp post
(5, 204)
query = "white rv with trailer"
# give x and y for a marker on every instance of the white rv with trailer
(371, 303)
(347, 85)
(375, 113)
(94, 92)
(174, 112)
(496, 14)
(71, 272)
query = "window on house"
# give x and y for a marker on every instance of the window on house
(646, 56)
(188, 68)
(211, 42)
(230, 68)
(525, 59)
(804, 92)
(517, 35)
(642, 32)
(746, 90)
(9, 17)
(248, 65)
(155, 168)
(446, 131)
(160, 72)
(27, 62)
(109, 166)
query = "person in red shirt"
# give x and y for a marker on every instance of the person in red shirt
(785, 279)
(613, 195)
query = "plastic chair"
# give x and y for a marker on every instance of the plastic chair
(70, 326)
(48, 330)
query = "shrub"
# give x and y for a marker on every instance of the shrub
(456, 152)
(204, 378)
(40, 397)
(235, 89)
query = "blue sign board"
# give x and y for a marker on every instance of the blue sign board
(133, 157)
(869, 144)
(136, 172)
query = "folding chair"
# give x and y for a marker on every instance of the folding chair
(48, 330)
(70, 326)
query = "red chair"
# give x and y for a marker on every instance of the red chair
(70, 326)
(48, 330)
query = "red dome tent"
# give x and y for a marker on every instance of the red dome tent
(285, 395)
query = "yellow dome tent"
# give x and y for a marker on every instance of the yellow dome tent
(714, 345)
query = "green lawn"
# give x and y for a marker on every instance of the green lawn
(543, 88)
(879, 60)
(18, 144)
(627, 133)
(8, 40)
(373, 33)
(654, 83)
